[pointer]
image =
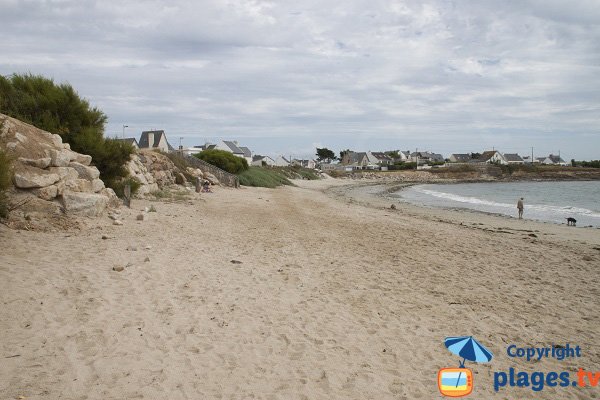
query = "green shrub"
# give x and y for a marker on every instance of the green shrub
(402, 166)
(224, 160)
(262, 177)
(5, 175)
(59, 109)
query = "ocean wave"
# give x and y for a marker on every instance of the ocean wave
(566, 210)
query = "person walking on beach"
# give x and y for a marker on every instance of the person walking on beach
(520, 207)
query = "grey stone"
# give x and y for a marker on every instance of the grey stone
(87, 204)
(117, 222)
(28, 179)
(38, 163)
(60, 158)
(85, 172)
(46, 193)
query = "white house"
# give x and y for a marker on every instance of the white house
(281, 161)
(231, 146)
(305, 163)
(492, 157)
(258, 160)
(553, 160)
(461, 158)
(155, 140)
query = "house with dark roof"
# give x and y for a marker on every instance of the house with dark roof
(460, 158)
(425, 157)
(380, 158)
(357, 160)
(513, 158)
(155, 140)
(491, 157)
(552, 159)
(132, 141)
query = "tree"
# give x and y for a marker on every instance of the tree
(344, 152)
(325, 154)
(475, 156)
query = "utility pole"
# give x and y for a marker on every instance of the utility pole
(417, 156)
(531, 155)
(124, 126)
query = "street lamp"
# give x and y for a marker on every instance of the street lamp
(124, 126)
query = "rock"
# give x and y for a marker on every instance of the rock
(37, 206)
(142, 217)
(83, 159)
(393, 206)
(57, 140)
(236, 262)
(20, 137)
(117, 222)
(66, 146)
(87, 204)
(113, 217)
(46, 193)
(85, 172)
(211, 178)
(118, 268)
(113, 199)
(148, 248)
(180, 178)
(38, 162)
(79, 185)
(65, 173)
(131, 248)
(104, 237)
(97, 185)
(60, 158)
(34, 178)
(147, 259)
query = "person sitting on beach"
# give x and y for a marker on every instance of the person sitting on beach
(520, 207)
(206, 187)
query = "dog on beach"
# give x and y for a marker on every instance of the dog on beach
(571, 221)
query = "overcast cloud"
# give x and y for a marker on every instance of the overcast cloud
(286, 76)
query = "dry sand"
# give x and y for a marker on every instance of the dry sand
(331, 300)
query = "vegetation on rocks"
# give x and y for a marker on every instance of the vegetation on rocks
(4, 182)
(224, 160)
(57, 108)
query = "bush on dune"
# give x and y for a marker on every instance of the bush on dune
(224, 160)
(59, 109)
(263, 177)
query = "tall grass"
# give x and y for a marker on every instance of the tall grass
(263, 177)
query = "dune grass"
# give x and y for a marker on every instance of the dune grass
(263, 177)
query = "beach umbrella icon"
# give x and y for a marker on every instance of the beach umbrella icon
(469, 349)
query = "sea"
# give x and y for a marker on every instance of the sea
(544, 201)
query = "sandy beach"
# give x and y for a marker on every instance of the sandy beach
(319, 291)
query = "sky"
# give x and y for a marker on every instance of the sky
(284, 77)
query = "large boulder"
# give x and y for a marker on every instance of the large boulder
(85, 172)
(60, 157)
(37, 162)
(85, 204)
(31, 178)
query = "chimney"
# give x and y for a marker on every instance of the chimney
(150, 139)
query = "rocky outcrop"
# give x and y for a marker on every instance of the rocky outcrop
(48, 170)
(154, 171)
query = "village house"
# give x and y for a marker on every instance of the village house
(357, 160)
(231, 146)
(426, 157)
(132, 141)
(491, 157)
(380, 158)
(281, 161)
(513, 158)
(553, 159)
(261, 161)
(155, 140)
(305, 163)
(460, 158)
